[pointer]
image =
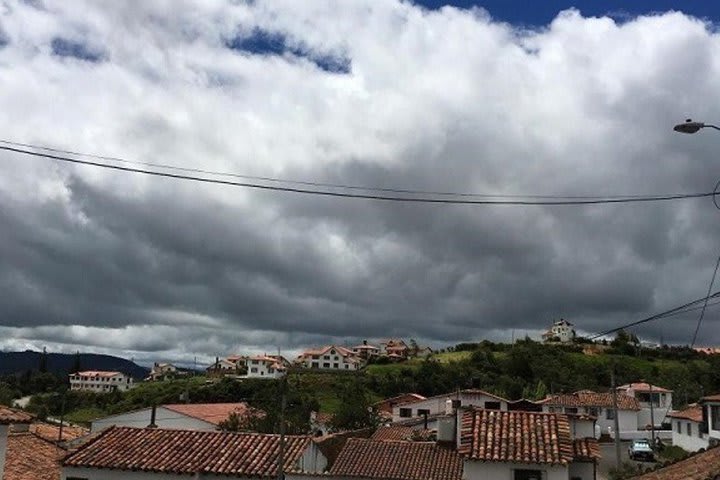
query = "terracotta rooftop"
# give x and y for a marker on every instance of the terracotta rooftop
(400, 433)
(517, 436)
(397, 461)
(586, 449)
(97, 373)
(643, 387)
(51, 432)
(405, 399)
(11, 415)
(188, 452)
(692, 412)
(29, 457)
(587, 398)
(701, 466)
(453, 395)
(214, 413)
(711, 398)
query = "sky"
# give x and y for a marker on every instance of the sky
(549, 100)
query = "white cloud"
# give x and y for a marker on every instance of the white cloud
(441, 100)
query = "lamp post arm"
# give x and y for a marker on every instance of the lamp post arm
(712, 126)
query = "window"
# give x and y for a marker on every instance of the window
(572, 410)
(527, 475)
(456, 403)
(689, 428)
(405, 412)
(610, 414)
(77, 478)
(335, 365)
(422, 412)
(594, 411)
(253, 370)
(347, 366)
(326, 357)
(316, 357)
(715, 417)
(644, 397)
(314, 365)
(492, 405)
(326, 365)
(679, 427)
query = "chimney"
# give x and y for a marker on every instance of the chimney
(153, 412)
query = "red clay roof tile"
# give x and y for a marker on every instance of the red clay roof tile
(400, 433)
(29, 457)
(214, 413)
(586, 450)
(693, 413)
(188, 452)
(11, 415)
(397, 461)
(588, 398)
(701, 466)
(516, 436)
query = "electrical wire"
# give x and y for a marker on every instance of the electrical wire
(702, 312)
(307, 183)
(416, 199)
(668, 313)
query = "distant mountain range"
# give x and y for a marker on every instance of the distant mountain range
(62, 363)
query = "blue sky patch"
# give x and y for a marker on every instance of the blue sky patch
(62, 47)
(538, 13)
(263, 42)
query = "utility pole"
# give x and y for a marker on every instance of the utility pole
(62, 417)
(652, 415)
(616, 421)
(283, 404)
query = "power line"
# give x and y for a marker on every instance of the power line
(702, 312)
(417, 199)
(668, 313)
(308, 183)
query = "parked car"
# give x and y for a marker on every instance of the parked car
(641, 450)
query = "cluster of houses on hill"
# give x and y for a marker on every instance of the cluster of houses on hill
(468, 434)
(328, 357)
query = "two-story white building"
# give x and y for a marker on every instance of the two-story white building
(432, 406)
(266, 366)
(655, 402)
(711, 418)
(162, 371)
(330, 357)
(561, 331)
(600, 406)
(101, 381)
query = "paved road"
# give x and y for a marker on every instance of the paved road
(607, 450)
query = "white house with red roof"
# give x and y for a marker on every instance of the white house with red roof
(600, 406)
(330, 357)
(655, 402)
(687, 428)
(366, 350)
(203, 417)
(266, 366)
(433, 406)
(101, 381)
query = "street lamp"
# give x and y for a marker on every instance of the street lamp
(692, 127)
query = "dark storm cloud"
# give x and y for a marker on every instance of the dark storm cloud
(123, 263)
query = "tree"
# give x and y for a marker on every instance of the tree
(42, 367)
(355, 411)
(76, 367)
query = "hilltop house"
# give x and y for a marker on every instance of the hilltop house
(365, 350)
(561, 331)
(224, 366)
(155, 453)
(203, 417)
(396, 348)
(162, 371)
(599, 406)
(266, 366)
(330, 357)
(655, 402)
(101, 381)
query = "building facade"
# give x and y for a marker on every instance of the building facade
(655, 403)
(101, 381)
(561, 331)
(687, 429)
(600, 406)
(331, 357)
(266, 366)
(437, 405)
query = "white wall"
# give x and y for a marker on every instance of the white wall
(312, 460)
(164, 418)
(712, 433)
(3, 447)
(582, 428)
(627, 420)
(436, 405)
(473, 470)
(692, 442)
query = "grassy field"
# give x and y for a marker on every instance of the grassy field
(447, 357)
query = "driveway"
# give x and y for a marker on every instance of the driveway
(607, 450)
